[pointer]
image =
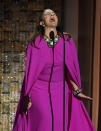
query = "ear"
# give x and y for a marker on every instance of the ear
(41, 22)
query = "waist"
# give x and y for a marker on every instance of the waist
(44, 85)
(52, 77)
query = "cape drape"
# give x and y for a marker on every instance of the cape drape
(35, 62)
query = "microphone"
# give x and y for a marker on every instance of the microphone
(51, 34)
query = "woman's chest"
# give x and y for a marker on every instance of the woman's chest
(54, 54)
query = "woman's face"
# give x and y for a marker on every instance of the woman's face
(50, 18)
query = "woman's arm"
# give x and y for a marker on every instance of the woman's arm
(80, 94)
(72, 67)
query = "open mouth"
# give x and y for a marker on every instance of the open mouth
(52, 20)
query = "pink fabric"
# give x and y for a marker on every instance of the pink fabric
(36, 81)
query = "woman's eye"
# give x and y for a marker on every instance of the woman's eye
(49, 14)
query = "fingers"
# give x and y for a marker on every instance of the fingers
(89, 98)
(26, 112)
(84, 96)
(29, 104)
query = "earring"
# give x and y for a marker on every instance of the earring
(43, 25)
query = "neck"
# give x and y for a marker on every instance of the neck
(49, 29)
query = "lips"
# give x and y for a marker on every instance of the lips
(52, 20)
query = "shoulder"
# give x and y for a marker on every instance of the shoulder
(37, 41)
(32, 49)
(69, 38)
(67, 35)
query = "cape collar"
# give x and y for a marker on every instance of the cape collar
(39, 38)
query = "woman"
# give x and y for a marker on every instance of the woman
(40, 107)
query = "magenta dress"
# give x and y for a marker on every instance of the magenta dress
(46, 113)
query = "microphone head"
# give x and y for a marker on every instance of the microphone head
(51, 34)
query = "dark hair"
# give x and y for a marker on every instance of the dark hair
(40, 29)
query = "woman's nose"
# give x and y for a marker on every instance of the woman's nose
(52, 14)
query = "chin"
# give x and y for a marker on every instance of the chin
(52, 25)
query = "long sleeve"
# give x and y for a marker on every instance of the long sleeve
(76, 107)
(72, 64)
(76, 63)
(18, 116)
(34, 65)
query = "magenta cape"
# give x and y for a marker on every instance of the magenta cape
(78, 117)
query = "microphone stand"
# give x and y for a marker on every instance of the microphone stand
(52, 37)
(64, 87)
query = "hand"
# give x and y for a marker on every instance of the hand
(29, 105)
(26, 103)
(81, 95)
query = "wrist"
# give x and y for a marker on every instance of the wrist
(77, 91)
